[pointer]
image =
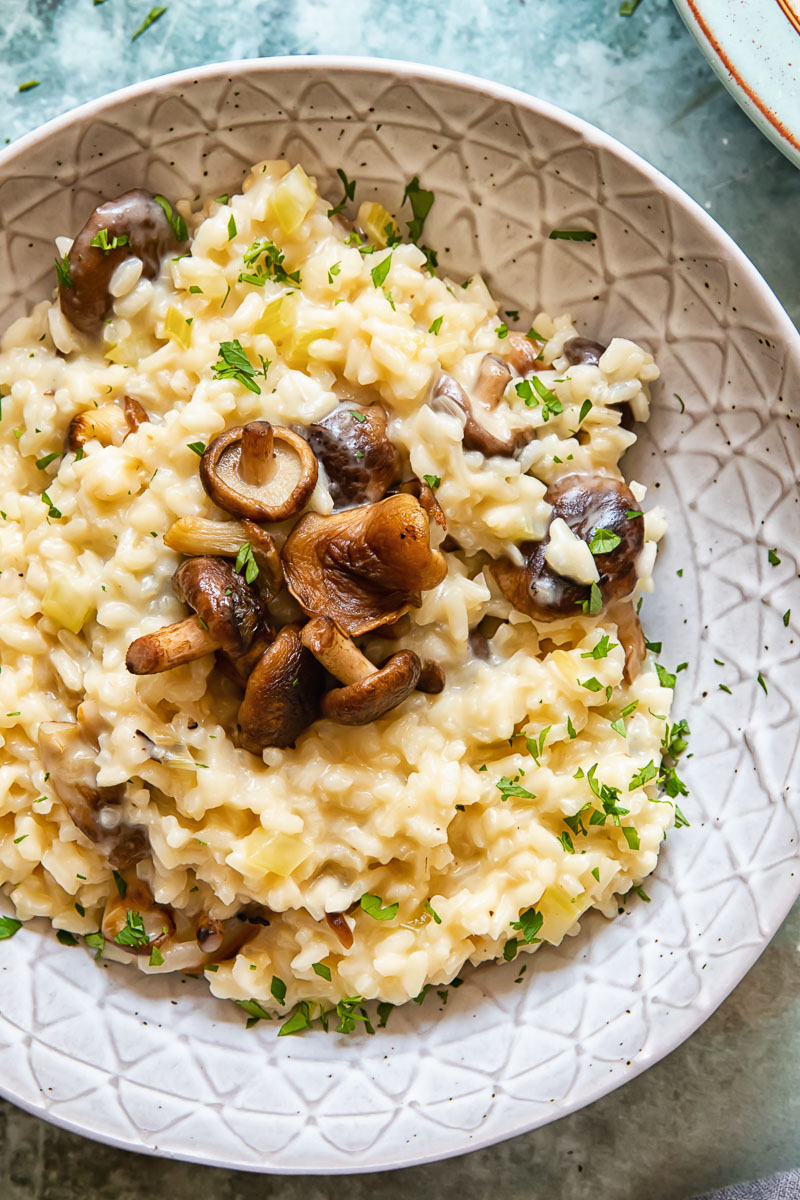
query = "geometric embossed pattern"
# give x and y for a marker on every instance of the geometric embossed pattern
(107, 1053)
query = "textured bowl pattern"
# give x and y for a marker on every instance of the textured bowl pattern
(159, 1065)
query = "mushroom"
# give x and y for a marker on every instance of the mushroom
(587, 503)
(424, 493)
(282, 695)
(582, 350)
(631, 638)
(365, 566)
(229, 617)
(521, 353)
(260, 471)
(449, 396)
(369, 691)
(69, 753)
(198, 536)
(492, 380)
(185, 943)
(431, 678)
(356, 452)
(107, 424)
(134, 224)
(336, 921)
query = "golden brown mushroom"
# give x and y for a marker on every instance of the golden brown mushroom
(363, 567)
(260, 471)
(492, 379)
(68, 751)
(226, 539)
(282, 695)
(109, 424)
(588, 504)
(354, 448)
(229, 617)
(133, 224)
(449, 396)
(522, 352)
(583, 350)
(369, 691)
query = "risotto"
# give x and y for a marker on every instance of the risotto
(322, 672)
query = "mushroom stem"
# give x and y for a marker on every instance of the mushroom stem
(257, 460)
(337, 653)
(169, 647)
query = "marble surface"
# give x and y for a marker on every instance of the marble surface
(724, 1106)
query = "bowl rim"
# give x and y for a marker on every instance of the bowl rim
(393, 69)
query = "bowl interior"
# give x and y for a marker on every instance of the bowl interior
(109, 1054)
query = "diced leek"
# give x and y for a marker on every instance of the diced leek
(66, 603)
(560, 912)
(377, 222)
(271, 322)
(276, 854)
(177, 328)
(292, 200)
(296, 352)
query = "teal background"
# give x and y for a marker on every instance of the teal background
(726, 1105)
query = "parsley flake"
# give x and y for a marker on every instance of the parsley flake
(380, 272)
(198, 447)
(177, 223)
(433, 481)
(349, 186)
(233, 363)
(529, 923)
(421, 202)
(133, 932)
(8, 927)
(604, 541)
(665, 678)
(321, 970)
(502, 330)
(586, 408)
(429, 910)
(62, 271)
(760, 680)
(149, 20)
(373, 906)
(46, 459)
(28, 85)
(333, 271)
(772, 556)
(245, 561)
(601, 649)
(102, 241)
(510, 787)
(572, 235)
(631, 837)
(435, 325)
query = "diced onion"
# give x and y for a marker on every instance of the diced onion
(292, 200)
(66, 604)
(277, 853)
(177, 328)
(377, 222)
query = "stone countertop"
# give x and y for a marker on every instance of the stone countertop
(725, 1105)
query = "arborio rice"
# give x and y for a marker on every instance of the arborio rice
(467, 824)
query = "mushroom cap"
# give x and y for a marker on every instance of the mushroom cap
(230, 608)
(282, 694)
(365, 566)
(449, 396)
(69, 755)
(291, 478)
(583, 350)
(365, 701)
(356, 452)
(135, 215)
(587, 503)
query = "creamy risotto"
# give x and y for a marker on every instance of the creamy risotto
(322, 672)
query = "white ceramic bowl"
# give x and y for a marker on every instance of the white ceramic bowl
(109, 1054)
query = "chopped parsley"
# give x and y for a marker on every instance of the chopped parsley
(349, 186)
(787, 617)
(435, 325)
(232, 230)
(66, 938)
(255, 1011)
(604, 541)
(586, 408)
(373, 906)
(121, 884)
(628, 7)
(551, 405)
(629, 708)
(760, 680)
(664, 677)
(177, 223)
(28, 85)
(571, 730)
(511, 787)
(510, 949)
(321, 970)
(62, 271)
(156, 958)
(601, 649)
(525, 392)
(429, 910)
(772, 556)
(46, 459)
(596, 873)
(270, 267)
(53, 512)
(380, 272)
(333, 271)
(357, 416)
(535, 745)
(233, 363)
(421, 202)
(643, 776)
(502, 330)
(573, 235)
(433, 481)
(529, 923)
(619, 727)
(592, 684)
(566, 842)
(278, 989)
(149, 20)
(631, 837)
(102, 241)
(8, 927)
(198, 447)
(133, 931)
(595, 602)
(246, 562)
